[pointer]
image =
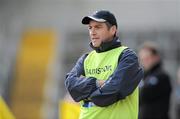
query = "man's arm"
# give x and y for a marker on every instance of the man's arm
(77, 85)
(121, 83)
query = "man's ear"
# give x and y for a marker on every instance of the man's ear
(113, 29)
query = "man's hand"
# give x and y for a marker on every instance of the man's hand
(82, 76)
(100, 82)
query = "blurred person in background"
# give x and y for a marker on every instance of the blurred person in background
(105, 80)
(155, 88)
(177, 95)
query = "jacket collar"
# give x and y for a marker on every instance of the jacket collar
(105, 46)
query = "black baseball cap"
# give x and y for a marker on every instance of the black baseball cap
(101, 16)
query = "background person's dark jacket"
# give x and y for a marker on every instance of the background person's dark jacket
(155, 94)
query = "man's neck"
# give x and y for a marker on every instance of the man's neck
(105, 46)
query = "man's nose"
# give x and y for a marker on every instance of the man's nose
(92, 31)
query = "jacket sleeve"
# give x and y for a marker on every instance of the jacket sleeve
(121, 83)
(77, 85)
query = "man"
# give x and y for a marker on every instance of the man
(105, 80)
(155, 87)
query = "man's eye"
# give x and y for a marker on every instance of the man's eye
(98, 27)
(89, 27)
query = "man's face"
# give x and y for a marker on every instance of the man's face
(99, 33)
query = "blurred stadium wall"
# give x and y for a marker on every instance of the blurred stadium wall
(138, 20)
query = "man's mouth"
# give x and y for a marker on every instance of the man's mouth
(95, 39)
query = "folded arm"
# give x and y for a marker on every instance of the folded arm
(77, 85)
(121, 83)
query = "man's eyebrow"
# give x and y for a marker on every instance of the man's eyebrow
(98, 25)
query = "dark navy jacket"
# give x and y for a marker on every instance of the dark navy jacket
(155, 93)
(120, 84)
